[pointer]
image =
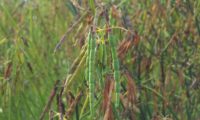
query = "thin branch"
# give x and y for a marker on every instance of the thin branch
(50, 100)
(69, 30)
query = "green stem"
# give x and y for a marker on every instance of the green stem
(91, 57)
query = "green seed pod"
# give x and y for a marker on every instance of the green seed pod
(115, 64)
(91, 58)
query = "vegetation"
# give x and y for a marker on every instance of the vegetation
(99, 59)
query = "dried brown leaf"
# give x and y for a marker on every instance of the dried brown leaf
(107, 108)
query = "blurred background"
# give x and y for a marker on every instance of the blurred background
(29, 32)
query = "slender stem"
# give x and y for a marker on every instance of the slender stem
(115, 27)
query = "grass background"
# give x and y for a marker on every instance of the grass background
(29, 33)
(30, 30)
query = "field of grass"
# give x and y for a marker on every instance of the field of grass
(99, 59)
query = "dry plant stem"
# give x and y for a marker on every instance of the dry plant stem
(124, 29)
(75, 64)
(50, 100)
(51, 115)
(131, 88)
(84, 105)
(69, 30)
(129, 111)
(8, 71)
(60, 105)
(73, 105)
(71, 77)
(77, 60)
(108, 111)
(153, 91)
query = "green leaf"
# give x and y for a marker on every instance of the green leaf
(3, 41)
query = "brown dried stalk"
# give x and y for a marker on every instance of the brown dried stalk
(107, 108)
(77, 67)
(50, 100)
(71, 109)
(69, 30)
(125, 45)
(131, 88)
(8, 70)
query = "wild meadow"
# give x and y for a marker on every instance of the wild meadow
(99, 60)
